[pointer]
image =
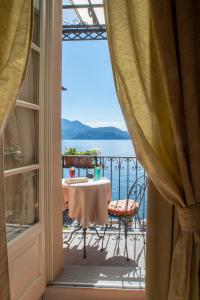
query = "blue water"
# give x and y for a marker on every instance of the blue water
(107, 147)
(123, 177)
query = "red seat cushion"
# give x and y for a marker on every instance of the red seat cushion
(120, 207)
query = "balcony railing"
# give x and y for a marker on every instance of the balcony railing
(122, 172)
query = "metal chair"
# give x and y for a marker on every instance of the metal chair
(127, 209)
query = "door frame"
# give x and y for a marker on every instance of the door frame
(53, 167)
(52, 160)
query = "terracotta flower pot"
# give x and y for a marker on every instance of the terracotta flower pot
(82, 162)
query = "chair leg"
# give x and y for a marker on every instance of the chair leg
(144, 241)
(103, 236)
(71, 234)
(126, 234)
(137, 219)
(119, 228)
(84, 240)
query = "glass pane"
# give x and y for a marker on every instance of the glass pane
(36, 28)
(21, 200)
(30, 87)
(20, 139)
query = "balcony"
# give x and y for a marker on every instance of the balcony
(107, 268)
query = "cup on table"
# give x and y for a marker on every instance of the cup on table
(72, 172)
(97, 173)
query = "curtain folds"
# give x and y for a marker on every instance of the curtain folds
(155, 53)
(15, 37)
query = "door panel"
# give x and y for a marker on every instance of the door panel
(26, 264)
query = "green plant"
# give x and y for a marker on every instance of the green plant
(70, 151)
(73, 151)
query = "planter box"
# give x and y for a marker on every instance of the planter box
(78, 162)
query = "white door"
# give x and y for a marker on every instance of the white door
(23, 175)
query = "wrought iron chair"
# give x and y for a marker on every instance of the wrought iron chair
(128, 208)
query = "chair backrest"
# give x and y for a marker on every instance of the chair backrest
(137, 191)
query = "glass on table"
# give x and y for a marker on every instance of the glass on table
(97, 173)
(72, 172)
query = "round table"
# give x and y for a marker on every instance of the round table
(88, 201)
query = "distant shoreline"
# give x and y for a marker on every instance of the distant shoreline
(75, 130)
(107, 147)
(86, 139)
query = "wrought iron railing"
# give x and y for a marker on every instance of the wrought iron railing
(122, 171)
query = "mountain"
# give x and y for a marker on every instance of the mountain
(75, 130)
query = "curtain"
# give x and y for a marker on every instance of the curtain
(15, 37)
(155, 53)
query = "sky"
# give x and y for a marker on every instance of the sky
(87, 75)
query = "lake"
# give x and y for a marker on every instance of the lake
(107, 147)
(122, 178)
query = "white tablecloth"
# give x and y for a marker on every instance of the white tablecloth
(88, 201)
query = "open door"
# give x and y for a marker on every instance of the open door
(24, 174)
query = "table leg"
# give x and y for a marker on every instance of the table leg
(84, 240)
(71, 234)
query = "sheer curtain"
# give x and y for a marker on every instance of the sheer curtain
(15, 37)
(155, 53)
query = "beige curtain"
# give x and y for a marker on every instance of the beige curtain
(15, 39)
(155, 52)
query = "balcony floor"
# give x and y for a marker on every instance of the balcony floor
(107, 268)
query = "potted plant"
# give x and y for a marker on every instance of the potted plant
(80, 159)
